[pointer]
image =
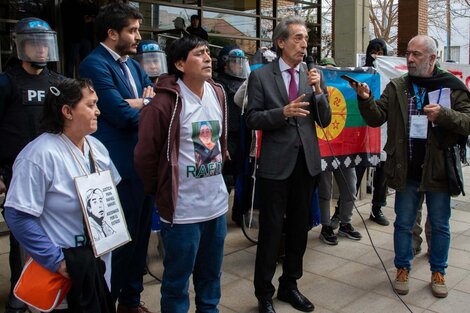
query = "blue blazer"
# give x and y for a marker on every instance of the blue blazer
(118, 122)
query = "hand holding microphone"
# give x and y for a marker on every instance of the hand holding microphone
(314, 76)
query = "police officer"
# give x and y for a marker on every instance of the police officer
(23, 87)
(233, 70)
(152, 58)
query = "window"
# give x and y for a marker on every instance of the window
(247, 6)
(229, 25)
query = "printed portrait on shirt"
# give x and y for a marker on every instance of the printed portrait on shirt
(207, 153)
(96, 210)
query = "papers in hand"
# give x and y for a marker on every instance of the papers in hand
(440, 96)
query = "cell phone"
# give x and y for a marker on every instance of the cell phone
(350, 79)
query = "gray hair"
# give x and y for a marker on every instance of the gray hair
(282, 30)
(429, 43)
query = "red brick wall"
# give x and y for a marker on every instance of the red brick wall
(412, 21)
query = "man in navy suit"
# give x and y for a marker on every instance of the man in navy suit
(123, 88)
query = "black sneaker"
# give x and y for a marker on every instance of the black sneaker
(377, 216)
(334, 223)
(328, 236)
(347, 230)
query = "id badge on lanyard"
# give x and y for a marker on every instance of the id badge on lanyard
(418, 123)
(419, 127)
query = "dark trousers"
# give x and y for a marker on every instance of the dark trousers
(17, 255)
(128, 261)
(379, 195)
(278, 198)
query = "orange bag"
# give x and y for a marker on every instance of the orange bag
(40, 288)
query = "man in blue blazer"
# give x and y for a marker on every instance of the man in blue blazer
(123, 88)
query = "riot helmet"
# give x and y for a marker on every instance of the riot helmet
(36, 42)
(152, 58)
(233, 62)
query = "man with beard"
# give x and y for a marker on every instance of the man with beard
(419, 132)
(123, 88)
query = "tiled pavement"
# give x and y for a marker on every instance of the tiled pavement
(347, 278)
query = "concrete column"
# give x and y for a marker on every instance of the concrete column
(351, 30)
(412, 21)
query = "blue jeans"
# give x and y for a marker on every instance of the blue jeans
(196, 249)
(406, 207)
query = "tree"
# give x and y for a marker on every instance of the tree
(383, 16)
(327, 27)
(438, 11)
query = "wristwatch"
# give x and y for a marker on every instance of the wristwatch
(146, 101)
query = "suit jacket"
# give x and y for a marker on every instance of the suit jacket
(118, 122)
(267, 96)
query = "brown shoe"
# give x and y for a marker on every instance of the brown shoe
(401, 285)
(438, 285)
(125, 309)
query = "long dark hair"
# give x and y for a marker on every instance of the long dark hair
(376, 44)
(66, 92)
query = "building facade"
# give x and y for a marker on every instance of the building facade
(246, 23)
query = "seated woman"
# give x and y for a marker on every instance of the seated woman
(42, 208)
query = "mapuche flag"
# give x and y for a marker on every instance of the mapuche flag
(350, 141)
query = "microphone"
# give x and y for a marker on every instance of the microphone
(311, 65)
(310, 62)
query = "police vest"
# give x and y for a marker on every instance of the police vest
(22, 109)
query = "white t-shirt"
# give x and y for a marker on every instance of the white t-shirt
(202, 194)
(43, 186)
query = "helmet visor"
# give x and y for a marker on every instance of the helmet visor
(238, 67)
(154, 63)
(37, 47)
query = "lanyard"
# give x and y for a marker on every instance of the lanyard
(419, 97)
(93, 166)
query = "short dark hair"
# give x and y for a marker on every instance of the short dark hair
(114, 16)
(66, 92)
(180, 49)
(195, 17)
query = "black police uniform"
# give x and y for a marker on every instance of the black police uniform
(22, 97)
